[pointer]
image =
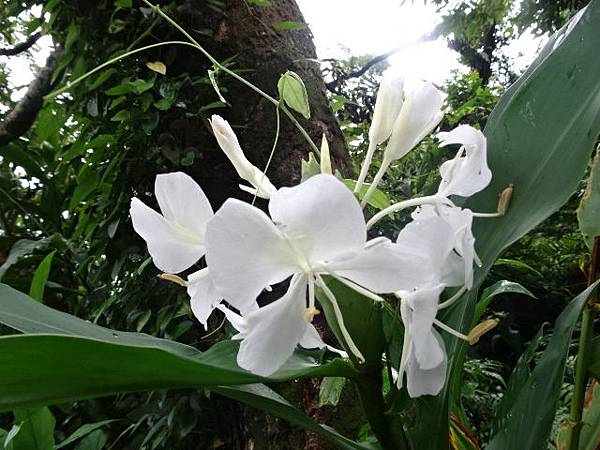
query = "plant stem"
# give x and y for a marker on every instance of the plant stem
(242, 80)
(583, 354)
(389, 433)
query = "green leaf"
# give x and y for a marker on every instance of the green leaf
(40, 277)
(259, 2)
(71, 367)
(24, 247)
(83, 431)
(260, 396)
(96, 440)
(543, 161)
(588, 213)
(288, 25)
(378, 200)
(528, 422)
(515, 264)
(123, 3)
(121, 116)
(310, 168)
(594, 367)
(590, 432)
(87, 181)
(293, 93)
(500, 287)
(121, 89)
(330, 390)
(36, 430)
(163, 104)
(362, 318)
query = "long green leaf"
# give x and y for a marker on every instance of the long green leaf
(261, 397)
(528, 423)
(588, 213)
(540, 137)
(500, 287)
(75, 359)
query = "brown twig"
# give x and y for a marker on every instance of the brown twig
(22, 46)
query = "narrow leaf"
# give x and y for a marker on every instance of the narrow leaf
(40, 277)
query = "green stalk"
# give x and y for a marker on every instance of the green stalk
(583, 355)
(389, 433)
(242, 80)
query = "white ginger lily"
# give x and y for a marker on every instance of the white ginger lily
(444, 234)
(420, 114)
(317, 228)
(175, 239)
(390, 98)
(463, 175)
(228, 141)
(468, 174)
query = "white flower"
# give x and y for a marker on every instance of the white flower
(420, 114)
(228, 142)
(316, 228)
(468, 174)
(176, 238)
(423, 353)
(387, 107)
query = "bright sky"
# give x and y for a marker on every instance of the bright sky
(358, 27)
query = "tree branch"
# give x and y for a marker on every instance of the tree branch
(21, 47)
(19, 120)
(379, 58)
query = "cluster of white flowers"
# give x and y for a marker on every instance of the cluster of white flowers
(318, 228)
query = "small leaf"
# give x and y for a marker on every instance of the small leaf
(157, 66)
(260, 3)
(40, 277)
(123, 4)
(293, 93)
(310, 168)
(377, 200)
(36, 429)
(121, 116)
(288, 25)
(331, 390)
(83, 431)
(500, 287)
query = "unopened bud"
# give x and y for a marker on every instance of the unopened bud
(504, 199)
(173, 278)
(325, 157)
(480, 329)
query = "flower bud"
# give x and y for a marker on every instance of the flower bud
(387, 107)
(420, 114)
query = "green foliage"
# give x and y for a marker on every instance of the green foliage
(535, 395)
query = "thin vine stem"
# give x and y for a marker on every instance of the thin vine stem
(241, 79)
(70, 84)
(264, 174)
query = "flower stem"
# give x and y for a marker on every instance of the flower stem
(275, 140)
(428, 200)
(389, 432)
(230, 72)
(376, 180)
(365, 167)
(583, 354)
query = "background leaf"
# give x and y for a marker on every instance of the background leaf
(40, 277)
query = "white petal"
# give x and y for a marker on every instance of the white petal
(321, 216)
(245, 253)
(390, 98)
(422, 305)
(426, 382)
(468, 174)
(434, 237)
(274, 331)
(236, 320)
(383, 267)
(203, 295)
(183, 203)
(420, 114)
(312, 339)
(172, 251)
